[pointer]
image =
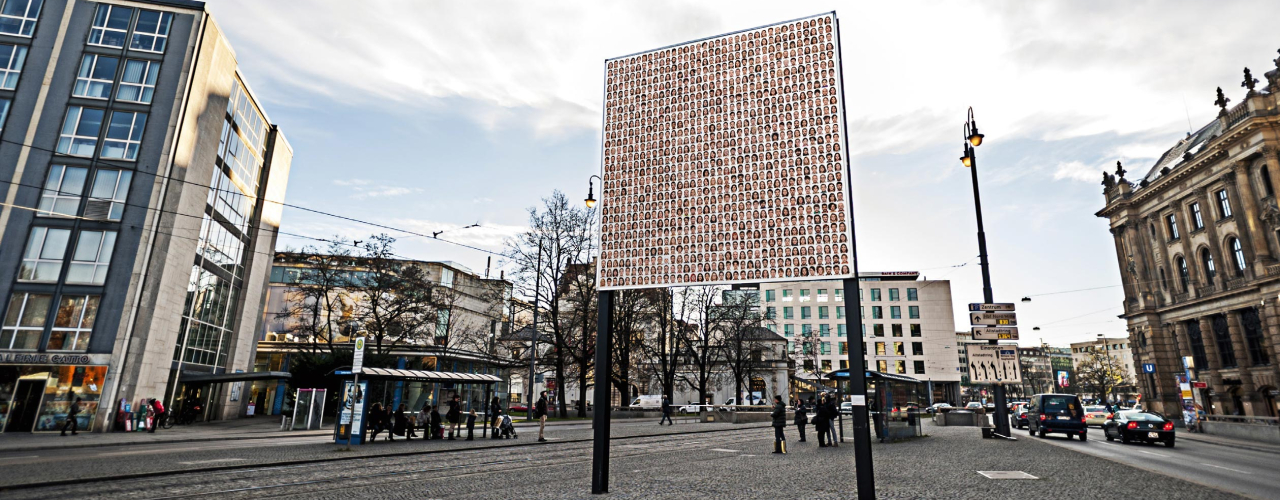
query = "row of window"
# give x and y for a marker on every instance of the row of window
(882, 348)
(46, 252)
(898, 366)
(27, 314)
(1197, 219)
(82, 126)
(912, 295)
(111, 28)
(788, 330)
(98, 75)
(1207, 266)
(806, 312)
(64, 190)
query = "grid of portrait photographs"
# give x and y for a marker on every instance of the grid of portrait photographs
(723, 161)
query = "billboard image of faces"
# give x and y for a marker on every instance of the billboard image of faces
(723, 161)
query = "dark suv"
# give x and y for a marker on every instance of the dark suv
(1059, 413)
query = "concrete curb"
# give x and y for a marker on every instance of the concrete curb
(167, 441)
(1244, 446)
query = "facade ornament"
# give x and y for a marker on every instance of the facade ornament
(1164, 170)
(1108, 182)
(1120, 170)
(1268, 151)
(1221, 102)
(1249, 81)
(1271, 213)
(1277, 60)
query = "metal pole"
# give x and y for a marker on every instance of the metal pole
(356, 395)
(1002, 412)
(533, 342)
(600, 419)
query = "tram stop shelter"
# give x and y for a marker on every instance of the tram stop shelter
(416, 389)
(893, 403)
(205, 390)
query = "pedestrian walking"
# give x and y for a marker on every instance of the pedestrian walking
(802, 418)
(540, 411)
(833, 414)
(72, 422)
(454, 416)
(157, 412)
(666, 411)
(779, 416)
(471, 424)
(820, 421)
(495, 415)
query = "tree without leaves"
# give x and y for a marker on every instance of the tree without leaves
(701, 345)
(1101, 373)
(580, 300)
(663, 352)
(633, 313)
(318, 301)
(398, 306)
(742, 338)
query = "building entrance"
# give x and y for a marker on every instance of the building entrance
(26, 406)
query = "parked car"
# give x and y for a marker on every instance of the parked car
(1018, 417)
(1095, 415)
(689, 408)
(517, 407)
(975, 407)
(846, 408)
(940, 408)
(1134, 425)
(1058, 413)
(647, 402)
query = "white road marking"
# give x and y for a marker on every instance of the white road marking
(1153, 453)
(724, 450)
(1227, 468)
(746, 455)
(214, 461)
(16, 458)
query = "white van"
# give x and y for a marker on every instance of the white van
(647, 403)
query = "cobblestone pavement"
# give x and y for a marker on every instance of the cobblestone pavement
(733, 462)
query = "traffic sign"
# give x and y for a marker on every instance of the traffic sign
(994, 364)
(1200, 385)
(993, 319)
(1003, 306)
(357, 358)
(1148, 368)
(995, 333)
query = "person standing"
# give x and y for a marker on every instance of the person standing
(495, 415)
(540, 411)
(72, 422)
(833, 413)
(157, 411)
(666, 411)
(402, 423)
(820, 421)
(437, 430)
(471, 424)
(802, 417)
(779, 416)
(454, 416)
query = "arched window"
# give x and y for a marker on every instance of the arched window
(1237, 252)
(1184, 275)
(1206, 261)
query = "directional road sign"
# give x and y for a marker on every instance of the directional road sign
(995, 333)
(1005, 306)
(993, 319)
(994, 364)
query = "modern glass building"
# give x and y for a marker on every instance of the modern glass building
(141, 181)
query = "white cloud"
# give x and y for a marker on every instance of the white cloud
(1077, 171)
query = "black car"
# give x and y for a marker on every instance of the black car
(1018, 416)
(1060, 413)
(1135, 425)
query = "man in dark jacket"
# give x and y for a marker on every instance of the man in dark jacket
(540, 412)
(779, 416)
(802, 417)
(821, 421)
(666, 411)
(833, 413)
(495, 415)
(71, 417)
(454, 415)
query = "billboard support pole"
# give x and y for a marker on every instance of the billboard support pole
(600, 419)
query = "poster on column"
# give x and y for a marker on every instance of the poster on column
(723, 161)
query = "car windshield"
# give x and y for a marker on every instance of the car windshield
(1061, 404)
(1139, 416)
(1094, 409)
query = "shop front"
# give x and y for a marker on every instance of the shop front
(38, 389)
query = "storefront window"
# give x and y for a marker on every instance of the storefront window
(46, 409)
(74, 323)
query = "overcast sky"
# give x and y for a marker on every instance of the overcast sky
(436, 115)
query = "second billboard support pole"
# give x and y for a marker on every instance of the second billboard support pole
(600, 419)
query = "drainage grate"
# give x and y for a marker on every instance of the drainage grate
(1006, 474)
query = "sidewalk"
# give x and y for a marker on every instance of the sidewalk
(243, 428)
(1228, 442)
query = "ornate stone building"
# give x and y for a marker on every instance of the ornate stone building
(1197, 243)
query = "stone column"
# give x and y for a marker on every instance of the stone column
(1165, 355)
(1145, 269)
(1272, 157)
(1252, 217)
(1127, 279)
(1271, 331)
(1247, 387)
(1214, 372)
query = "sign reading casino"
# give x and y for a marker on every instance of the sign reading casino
(723, 161)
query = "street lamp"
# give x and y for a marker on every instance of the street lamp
(972, 139)
(591, 197)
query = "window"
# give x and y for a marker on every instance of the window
(844, 364)
(1206, 260)
(805, 313)
(446, 277)
(770, 312)
(73, 324)
(897, 349)
(880, 349)
(823, 313)
(80, 131)
(110, 26)
(877, 312)
(95, 77)
(919, 367)
(788, 313)
(895, 312)
(1172, 221)
(1224, 204)
(882, 366)
(1266, 181)
(875, 294)
(1184, 275)
(772, 327)
(824, 330)
(912, 294)
(806, 330)
(877, 330)
(893, 294)
(768, 295)
(862, 312)
(110, 191)
(1153, 231)
(1238, 253)
(786, 295)
(46, 247)
(152, 31)
(804, 295)
(11, 59)
(913, 312)
(124, 134)
(915, 330)
(24, 321)
(896, 329)
(92, 257)
(62, 189)
(791, 347)
(826, 348)
(138, 83)
(789, 330)
(839, 312)
(826, 365)
(900, 366)
(1197, 222)
(842, 330)
(844, 348)
(917, 348)
(4, 110)
(18, 17)
(822, 295)
(839, 295)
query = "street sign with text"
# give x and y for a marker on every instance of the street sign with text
(995, 333)
(357, 358)
(994, 364)
(993, 319)
(1005, 306)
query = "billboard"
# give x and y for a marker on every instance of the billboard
(723, 161)
(1063, 380)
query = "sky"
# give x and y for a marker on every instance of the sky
(433, 116)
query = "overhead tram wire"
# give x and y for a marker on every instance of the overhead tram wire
(133, 168)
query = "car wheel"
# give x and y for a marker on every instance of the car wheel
(1042, 433)
(1109, 438)
(1084, 436)
(1030, 431)
(1168, 444)
(1123, 438)
(1069, 437)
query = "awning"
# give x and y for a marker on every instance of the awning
(429, 376)
(216, 378)
(841, 374)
